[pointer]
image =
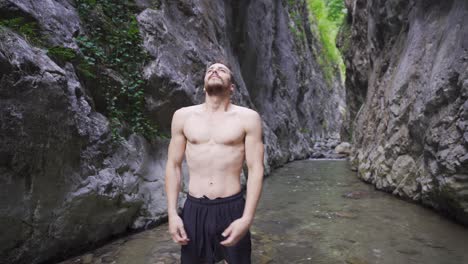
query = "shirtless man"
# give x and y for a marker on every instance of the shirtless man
(216, 136)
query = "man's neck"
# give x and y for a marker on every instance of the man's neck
(214, 104)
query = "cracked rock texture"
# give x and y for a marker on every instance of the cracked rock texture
(66, 188)
(407, 87)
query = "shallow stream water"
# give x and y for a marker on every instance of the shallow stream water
(317, 211)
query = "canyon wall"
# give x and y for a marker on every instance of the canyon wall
(407, 90)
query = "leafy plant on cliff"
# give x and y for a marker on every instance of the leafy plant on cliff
(28, 29)
(61, 53)
(113, 41)
(329, 15)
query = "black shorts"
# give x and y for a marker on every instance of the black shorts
(204, 221)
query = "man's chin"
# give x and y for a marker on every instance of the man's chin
(215, 89)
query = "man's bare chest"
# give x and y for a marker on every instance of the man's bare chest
(225, 130)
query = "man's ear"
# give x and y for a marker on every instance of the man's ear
(232, 87)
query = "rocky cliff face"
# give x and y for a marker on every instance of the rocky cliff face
(407, 64)
(65, 185)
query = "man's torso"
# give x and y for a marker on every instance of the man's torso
(215, 151)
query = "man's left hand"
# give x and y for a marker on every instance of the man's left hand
(235, 231)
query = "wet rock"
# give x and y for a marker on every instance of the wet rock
(356, 260)
(403, 176)
(87, 258)
(323, 215)
(107, 259)
(345, 215)
(356, 195)
(408, 251)
(327, 150)
(343, 148)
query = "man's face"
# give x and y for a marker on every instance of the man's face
(217, 79)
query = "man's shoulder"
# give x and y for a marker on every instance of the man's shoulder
(184, 111)
(250, 118)
(247, 112)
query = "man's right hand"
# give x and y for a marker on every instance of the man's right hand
(177, 231)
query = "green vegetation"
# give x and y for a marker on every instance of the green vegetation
(61, 53)
(29, 30)
(328, 15)
(113, 42)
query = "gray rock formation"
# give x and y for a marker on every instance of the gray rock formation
(410, 59)
(67, 187)
(353, 45)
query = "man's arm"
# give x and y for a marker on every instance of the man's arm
(254, 157)
(175, 157)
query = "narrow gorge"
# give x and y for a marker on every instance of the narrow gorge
(88, 89)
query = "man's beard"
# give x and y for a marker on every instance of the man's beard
(217, 88)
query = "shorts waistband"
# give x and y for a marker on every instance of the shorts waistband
(218, 200)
